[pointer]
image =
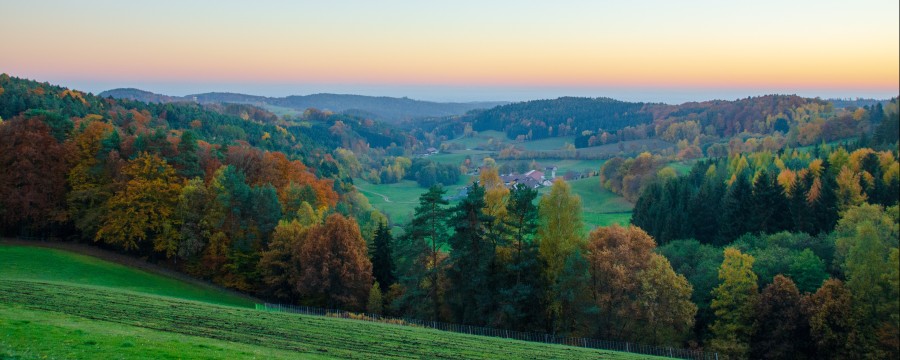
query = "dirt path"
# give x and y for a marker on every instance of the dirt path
(386, 199)
(123, 259)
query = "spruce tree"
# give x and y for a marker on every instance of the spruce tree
(735, 210)
(470, 259)
(420, 259)
(382, 256)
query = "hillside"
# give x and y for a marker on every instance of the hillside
(31, 263)
(75, 323)
(382, 108)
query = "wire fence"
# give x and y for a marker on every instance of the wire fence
(500, 333)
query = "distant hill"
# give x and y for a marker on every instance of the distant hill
(141, 95)
(540, 119)
(858, 102)
(382, 108)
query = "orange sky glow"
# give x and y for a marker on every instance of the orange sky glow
(783, 46)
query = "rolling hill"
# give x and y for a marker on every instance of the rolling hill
(87, 308)
(389, 109)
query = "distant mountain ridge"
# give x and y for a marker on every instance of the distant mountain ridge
(389, 109)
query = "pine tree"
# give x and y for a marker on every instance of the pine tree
(522, 282)
(420, 259)
(470, 260)
(769, 206)
(736, 206)
(382, 256)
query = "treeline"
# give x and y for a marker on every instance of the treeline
(763, 192)
(564, 116)
(500, 258)
(793, 295)
(128, 180)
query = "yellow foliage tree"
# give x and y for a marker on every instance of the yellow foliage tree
(142, 209)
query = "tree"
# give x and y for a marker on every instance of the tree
(559, 234)
(699, 263)
(382, 256)
(616, 256)
(735, 205)
(808, 270)
(573, 302)
(375, 304)
(187, 162)
(523, 282)
(142, 209)
(665, 301)
(734, 305)
(832, 324)
(334, 265)
(33, 168)
(561, 228)
(768, 205)
(869, 263)
(471, 260)
(91, 178)
(420, 260)
(279, 265)
(193, 204)
(781, 328)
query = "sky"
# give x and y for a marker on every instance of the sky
(463, 50)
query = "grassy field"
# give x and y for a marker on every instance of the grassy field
(35, 263)
(481, 138)
(554, 143)
(600, 207)
(52, 320)
(399, 200)
(458, 157)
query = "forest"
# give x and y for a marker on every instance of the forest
(779, 242)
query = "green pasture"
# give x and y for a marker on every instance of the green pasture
(42, 264)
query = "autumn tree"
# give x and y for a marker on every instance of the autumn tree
(279, 266)
(33, 168)
(334, 265)
(734, 305)
(665, 301)
(96, 163)
(141, 210)
(782, 330)
(832, 324)
(194, 203)
(637, 293)
(558, 235)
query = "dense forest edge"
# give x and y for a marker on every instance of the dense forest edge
(779, 241)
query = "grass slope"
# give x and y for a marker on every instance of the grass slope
(40, 320)
(599, 206)
(35, 263)
(399, 200)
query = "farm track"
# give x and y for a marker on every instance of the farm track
(317, 335)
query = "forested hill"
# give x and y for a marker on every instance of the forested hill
(597, 121)
(540, 119)
(382, 108)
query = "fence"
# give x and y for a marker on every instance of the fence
(500, 333)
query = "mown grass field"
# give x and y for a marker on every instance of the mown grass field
(54, 320)
(41, 264)
(399, 200)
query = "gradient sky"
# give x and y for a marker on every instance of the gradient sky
(670, 51)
